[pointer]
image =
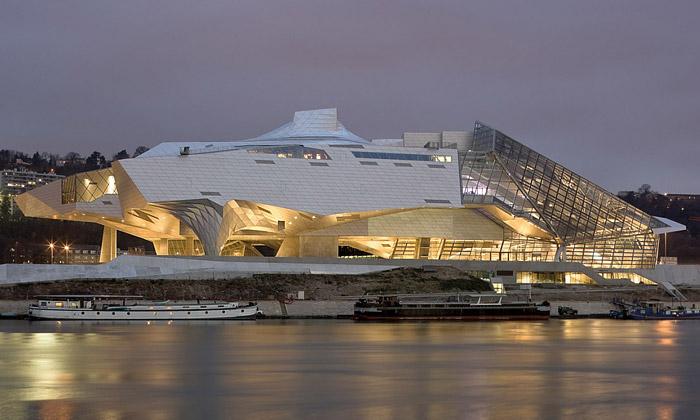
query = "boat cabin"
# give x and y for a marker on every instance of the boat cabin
(81, 301)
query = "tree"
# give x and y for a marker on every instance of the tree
(644, 189)
(53, 159)
(39, 162)
(140, 150)
(5, 156)
(5, 207)
(72, 157)
(120, 155)
(95, 161)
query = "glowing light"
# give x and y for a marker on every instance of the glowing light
(111, 186)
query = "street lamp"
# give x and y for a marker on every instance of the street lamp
(66, 248)
(51, 246)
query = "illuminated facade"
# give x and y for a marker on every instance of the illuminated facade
(311, 186)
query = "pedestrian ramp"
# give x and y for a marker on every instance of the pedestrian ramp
(671, 289)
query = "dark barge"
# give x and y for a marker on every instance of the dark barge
(479, 307)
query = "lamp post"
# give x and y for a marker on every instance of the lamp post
(51, 246)
(66, 248)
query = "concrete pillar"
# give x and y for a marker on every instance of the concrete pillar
(189, 245)
(560, 256)
(161, 246)
(318, 246)
(108, 251)
(289, 247)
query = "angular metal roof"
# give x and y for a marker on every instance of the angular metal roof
(313, 126)
(666, 225)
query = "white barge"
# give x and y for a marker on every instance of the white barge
(125, 308)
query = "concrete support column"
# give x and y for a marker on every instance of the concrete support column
(318, 246)
(161, 246)
(560, 256)
(289, 247)
(108, 251)
(189, 245)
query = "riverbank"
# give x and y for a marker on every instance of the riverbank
(333, 296)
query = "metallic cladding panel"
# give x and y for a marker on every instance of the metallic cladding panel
(343, 186)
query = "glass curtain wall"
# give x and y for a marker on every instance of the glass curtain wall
(179, 247)
(514, 247)
(87, 186)
(599, 229)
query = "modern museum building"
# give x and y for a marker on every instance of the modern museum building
(311, 186)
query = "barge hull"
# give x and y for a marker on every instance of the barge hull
(63, 315)
(450, 318)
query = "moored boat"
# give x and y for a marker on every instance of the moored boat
(477, 307)
(656, 310)
(119, 308)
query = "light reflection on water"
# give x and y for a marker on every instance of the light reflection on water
(339, 369)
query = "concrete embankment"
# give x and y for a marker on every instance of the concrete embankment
(18, 307)
(584, 308)
(307, 309)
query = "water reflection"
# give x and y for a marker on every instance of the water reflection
(337, 369)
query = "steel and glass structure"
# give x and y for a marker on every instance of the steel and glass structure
(583, 222)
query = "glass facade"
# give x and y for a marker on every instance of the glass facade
(633, 277)
(549, 277)
(514, 247)
(179, 247)
(595, 227)
(87, 186)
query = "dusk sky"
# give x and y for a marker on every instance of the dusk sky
(609, 89)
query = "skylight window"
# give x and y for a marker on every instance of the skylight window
(403, 156)
(293, 152)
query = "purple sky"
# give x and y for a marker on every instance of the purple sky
(610, 90)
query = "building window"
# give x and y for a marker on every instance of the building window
(403, 156)
(293, 152)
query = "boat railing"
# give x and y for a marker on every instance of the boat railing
(480, 302)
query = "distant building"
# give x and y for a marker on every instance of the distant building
(82, 254)
(75, 161)
(672, 197)
(16, 182)
(684, 197)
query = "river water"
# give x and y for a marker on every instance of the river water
(329, 369)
